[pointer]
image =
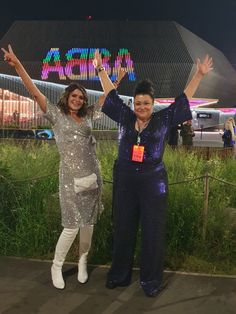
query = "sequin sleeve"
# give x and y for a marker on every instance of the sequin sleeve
(115, 108)
(52, 113)
(95, 111)
(179, 111)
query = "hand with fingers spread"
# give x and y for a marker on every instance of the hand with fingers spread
(121, 74)
(10, 57)
(204, 67)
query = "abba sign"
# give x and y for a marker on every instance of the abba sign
(78, 65)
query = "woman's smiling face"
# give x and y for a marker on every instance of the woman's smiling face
(75, 100)
(143, 106)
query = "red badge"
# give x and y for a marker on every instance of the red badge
(138, 152)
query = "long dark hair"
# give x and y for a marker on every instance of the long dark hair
(144, 87)
(63, 101)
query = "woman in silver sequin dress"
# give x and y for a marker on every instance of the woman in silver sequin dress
(79, 176)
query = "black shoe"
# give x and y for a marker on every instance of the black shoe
(151, 290)
(111, 284)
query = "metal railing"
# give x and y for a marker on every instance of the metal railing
(205, 178)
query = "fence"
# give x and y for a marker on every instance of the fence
(19, 110)
(206, 186)
(204, 152)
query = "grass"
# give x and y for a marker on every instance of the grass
(30, 214)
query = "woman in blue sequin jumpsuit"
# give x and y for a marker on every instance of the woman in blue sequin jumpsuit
(140, 179)
(79, 175)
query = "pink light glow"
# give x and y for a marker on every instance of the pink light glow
(193, 102)
(228, 110)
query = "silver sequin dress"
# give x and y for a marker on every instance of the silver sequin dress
(78, 159)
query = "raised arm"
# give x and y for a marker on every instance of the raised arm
(121, 74)
(107, 84)
(11, 58)
(202, 68)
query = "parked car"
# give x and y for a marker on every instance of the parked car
(41, 134)
(44, 134)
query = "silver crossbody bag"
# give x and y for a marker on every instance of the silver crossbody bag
(85, 183)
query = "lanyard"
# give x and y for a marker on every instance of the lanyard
(141, 129)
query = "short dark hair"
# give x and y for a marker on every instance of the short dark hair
(144, 87)
(63, 101)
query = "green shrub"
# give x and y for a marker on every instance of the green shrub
(30, 214)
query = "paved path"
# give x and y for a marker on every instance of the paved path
(25, 288)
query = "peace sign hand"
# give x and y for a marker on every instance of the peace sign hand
(97, 61)
(10, 57)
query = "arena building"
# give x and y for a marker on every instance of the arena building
(56, 53)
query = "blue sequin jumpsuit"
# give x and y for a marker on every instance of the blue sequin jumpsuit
(140, 190)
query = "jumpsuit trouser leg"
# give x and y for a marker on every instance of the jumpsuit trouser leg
(153, 204)
(126, 220)
(139, 194)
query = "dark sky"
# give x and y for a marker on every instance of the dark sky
(212, 20)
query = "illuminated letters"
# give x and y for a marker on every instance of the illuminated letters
(57, 67)
(79, 64)
(124, 54)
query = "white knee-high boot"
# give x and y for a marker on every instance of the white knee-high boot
(63, 245)
(86, 234)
